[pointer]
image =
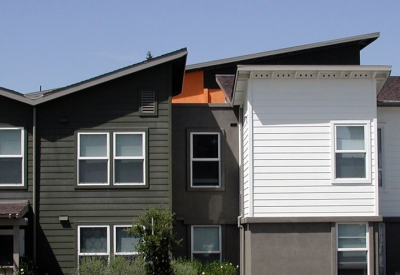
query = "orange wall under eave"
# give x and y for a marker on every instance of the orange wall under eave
(193, 91)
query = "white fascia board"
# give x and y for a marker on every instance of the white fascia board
(246, 72)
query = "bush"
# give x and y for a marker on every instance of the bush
(118, 266)
(186, 267)
(156, 240)
(217, 268)
(27, 267)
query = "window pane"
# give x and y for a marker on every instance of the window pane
(205, 173)
(6, 251)
(10, 170)
(128, 171)
(124, 242)
(93, 239)
(352, 242)
(350, 137)
(352, 230)
(10, 142)
(353, 260)
(129, 145)
(205, 146)
(206, 239)
(93, 171)
(350, 165)
(380, 148)
(93, 145)
(207, 257)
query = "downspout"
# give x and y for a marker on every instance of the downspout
(241, 194)
(34, 206)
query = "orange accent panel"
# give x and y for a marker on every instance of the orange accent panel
(192, 90)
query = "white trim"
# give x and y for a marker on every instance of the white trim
(21, 156)
(250, 124)
(206, 252)
(192, 159)
(115, 242)
(93, 254)
(367, 150)
(107, 157)
(142, 157)
(353, 249)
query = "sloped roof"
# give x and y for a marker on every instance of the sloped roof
(362, 40)
(226, 83)
(44, 96)
(13, 208)
(390, 92)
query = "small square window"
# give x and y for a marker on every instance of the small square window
(206, 243)
(11, 157)
(93, 241)
(124, 244)
(205, 159)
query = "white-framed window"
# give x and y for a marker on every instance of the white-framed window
(124, 244)
(352, 248)
(129, 158)
(94, 241)
(93, 158)
(206, 243)
(351, 152)
(205, 159)
(380, 156)
(111, 158)
(12, 157)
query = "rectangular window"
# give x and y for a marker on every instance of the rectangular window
(352, 248)
(124, 161)
(205, 159)
(129, 158)
(206, 243)
(93, 158)
(351, 153)
(124, 244)
(380, 173)
(11, 157)
(93, 241)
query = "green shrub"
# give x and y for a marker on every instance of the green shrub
(217, 268)
(186, 267)
(118, 266)
(156, 240)
(27, 267)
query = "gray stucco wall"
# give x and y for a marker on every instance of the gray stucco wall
(297, 248)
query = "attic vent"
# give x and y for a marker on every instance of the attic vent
(261, 75)
(362, 75)
(329, 75)
(148, 103)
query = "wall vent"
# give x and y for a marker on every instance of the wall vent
(148, 103)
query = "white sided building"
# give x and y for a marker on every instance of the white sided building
(310, 175)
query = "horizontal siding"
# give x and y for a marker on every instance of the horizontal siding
(389, 194)
(292, 147)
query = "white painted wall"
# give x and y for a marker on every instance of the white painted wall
(389, 193)
(291, 138)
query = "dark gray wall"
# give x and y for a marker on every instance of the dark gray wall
(112, 105)
(206, 206)
(296, 248)
(392, 247)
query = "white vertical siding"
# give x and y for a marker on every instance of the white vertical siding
(389, 193)
(292, 146)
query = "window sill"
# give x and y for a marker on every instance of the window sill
(351, 181)
(109, 187)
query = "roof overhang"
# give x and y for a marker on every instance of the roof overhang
(362, 40)
(246, 72)
(13, 209)
(39, 98)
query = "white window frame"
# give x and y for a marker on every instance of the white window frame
(353, 249)
(94, 254)
(21, 156)
(142, 157)
(206, 252)
(107, 157)
(115, 242)
(192, 159)
(366, 151)
(380, 139)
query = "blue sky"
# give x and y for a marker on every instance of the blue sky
(58, 43)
